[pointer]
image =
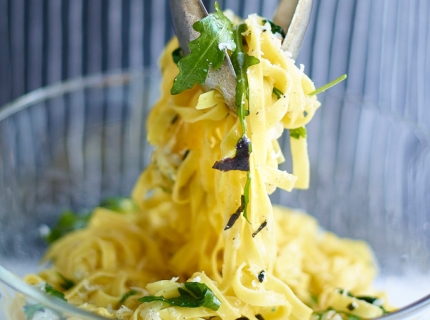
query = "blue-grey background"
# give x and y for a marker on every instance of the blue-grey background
(383, 45)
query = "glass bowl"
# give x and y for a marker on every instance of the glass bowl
(72, 144)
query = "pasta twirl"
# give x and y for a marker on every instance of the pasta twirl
(276, 264)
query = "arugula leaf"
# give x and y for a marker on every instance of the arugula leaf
(258, 316)
(241, 159)
(67, 283)
(298, 133)
(236, 215)
(369, 299)
(196, 295)
(261, 227)
(177, 55)
(30, 310)
(275, 28)
(185, 154)
(127, 295)
(375, 301)
(328, 85)
(346, 292)
(241, 62)
(54, 292)
(208, 50)
(69, 221)
(278, 93)
(120, 204)
(175, 118)
(246, 195)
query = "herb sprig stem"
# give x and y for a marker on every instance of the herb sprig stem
(241, 61)
(328, 85)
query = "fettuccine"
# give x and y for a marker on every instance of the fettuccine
(275, 263)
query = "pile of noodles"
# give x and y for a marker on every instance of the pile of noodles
(285, 271)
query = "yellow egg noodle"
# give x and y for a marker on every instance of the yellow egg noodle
(285, 271)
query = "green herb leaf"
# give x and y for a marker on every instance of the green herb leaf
(208, 50)
(67, 283)
(127, 295)
(298, 133)
(278, 93)
(236, 215)
(69, 221)
(275, 28)
(241, 62)
(328, 85)
(185, 155)
(53, 292)
(261, 227)
(30, 310)
(120, 204)
(241, 159)
(196, 295)
(369, 299)
(177, 55)
(346, 292)
(246, 195)
(373, 300)
(314, 298)
(175, 118)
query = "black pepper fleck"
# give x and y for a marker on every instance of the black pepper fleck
(351, 306)
(261, 276)
(185, 154)
(261, 227)
(175, 118)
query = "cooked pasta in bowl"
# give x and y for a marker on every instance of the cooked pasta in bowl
(162, 205)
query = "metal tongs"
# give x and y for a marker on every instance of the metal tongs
(291, 15)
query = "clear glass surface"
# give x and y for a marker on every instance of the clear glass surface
(72, 144)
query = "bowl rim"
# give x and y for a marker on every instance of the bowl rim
(53, 303)
(107, 79)
(411, 309)
(100, 79)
